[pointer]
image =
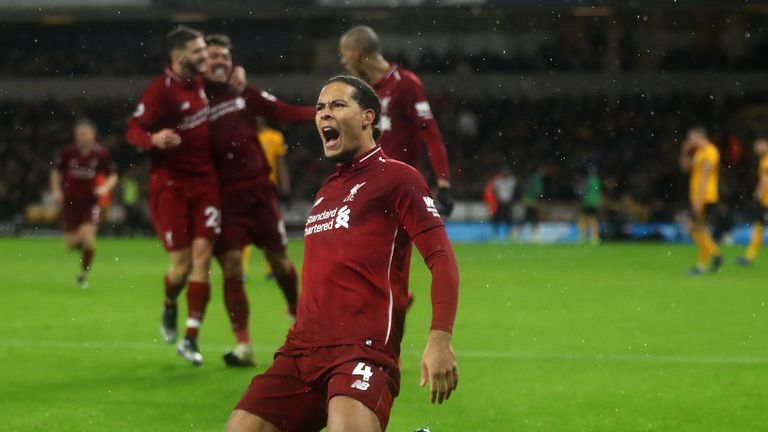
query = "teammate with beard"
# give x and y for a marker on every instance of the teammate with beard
(171, 122)
(249, 204)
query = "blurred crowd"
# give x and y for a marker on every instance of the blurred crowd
(633, 141)
(564, 46)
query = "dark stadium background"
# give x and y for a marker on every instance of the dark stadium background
(550, 84)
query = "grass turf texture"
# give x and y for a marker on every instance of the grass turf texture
(549, 338)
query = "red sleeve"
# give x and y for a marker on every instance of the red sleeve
(146, 118)
(417, 214)
(268, 106)
(420, 113)
(414, 206)
(439, 257)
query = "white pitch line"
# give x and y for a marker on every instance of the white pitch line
(480, 354)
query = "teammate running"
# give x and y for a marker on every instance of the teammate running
(73, 185)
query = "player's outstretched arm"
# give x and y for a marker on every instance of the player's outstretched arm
(438, 363)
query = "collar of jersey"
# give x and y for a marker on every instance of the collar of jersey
(178, 78)
(364, 160)
(392, 68)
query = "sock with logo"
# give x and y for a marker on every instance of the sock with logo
(198, 294)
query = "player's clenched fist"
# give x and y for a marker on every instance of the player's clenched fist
(166, 138)
(439, 367)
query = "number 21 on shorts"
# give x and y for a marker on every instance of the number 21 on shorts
(212, 218)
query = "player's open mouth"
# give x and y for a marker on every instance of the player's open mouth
(331, 136)
(219, 71)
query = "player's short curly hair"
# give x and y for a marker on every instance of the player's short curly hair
(365, 96)
(221, 40)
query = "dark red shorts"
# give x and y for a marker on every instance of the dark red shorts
(183, 210)
(250, 214)
(78, 212)
(293, 394)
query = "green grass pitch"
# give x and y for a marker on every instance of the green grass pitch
(549, 338)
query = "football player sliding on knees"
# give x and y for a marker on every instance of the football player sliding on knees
(338, 368)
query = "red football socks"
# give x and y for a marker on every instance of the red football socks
(85, 261)
(236, 302)
(289, 286)
(172, 291)
(198, 294)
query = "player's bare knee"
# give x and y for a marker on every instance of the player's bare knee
(346, 414)
(232, 272)
(181, 265)
(232, 265)
(89, 242)
(71, 242)
(179, 272)
(243, 421)
(202, 251)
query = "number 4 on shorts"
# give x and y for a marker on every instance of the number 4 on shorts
(362, 369)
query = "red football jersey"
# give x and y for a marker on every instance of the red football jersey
(407, 121)
(357, 245)
(236, 149)
(78, 172)
(175, 102)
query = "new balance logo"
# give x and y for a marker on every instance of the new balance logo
(353, 192)
(365, 371)
(342, 220)
(169, 238)
(360, 385)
